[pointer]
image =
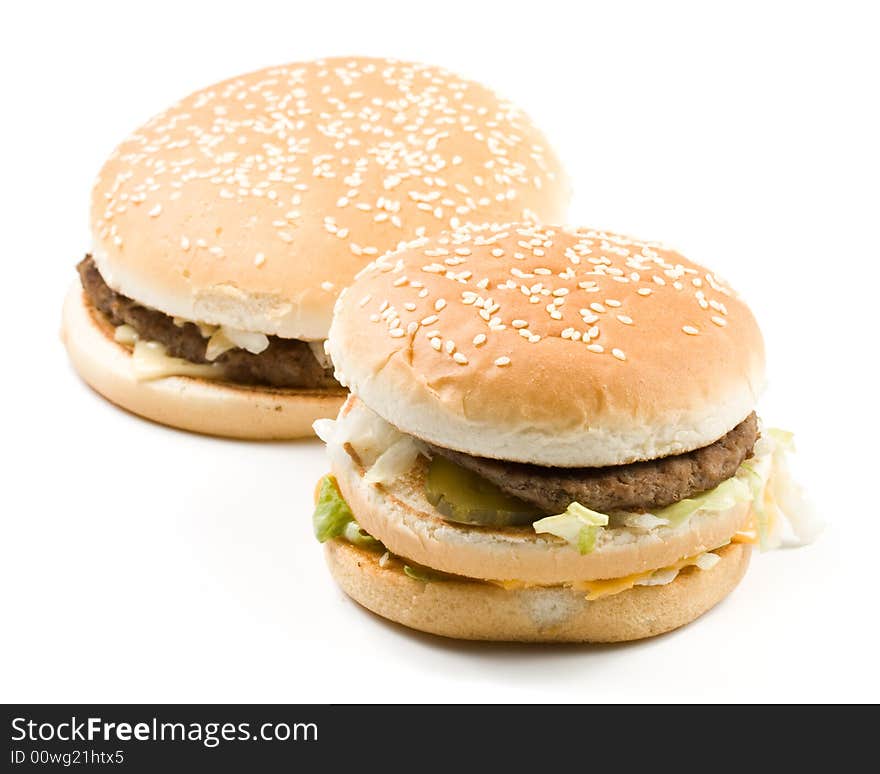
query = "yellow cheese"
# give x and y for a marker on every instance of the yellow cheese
(150, 361)
(597, 589)
(605, 588)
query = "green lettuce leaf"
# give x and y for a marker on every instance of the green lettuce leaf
(725, 495)
(425, 574)
(356, 535)
(332, 513)
(578, 525)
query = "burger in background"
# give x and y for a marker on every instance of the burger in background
(555, 441)
(226, 226)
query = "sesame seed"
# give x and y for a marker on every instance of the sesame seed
(439, 304)
(502, 361)
(625, 319)
(184, 243)
(644, 291)
(618, 353)
(720, 321)
(156, 211)
(259, 259)
(397, 333)
(430, 319)
(598, 348)
(437, 344)
(327, 285)
(597, 307)
(450, 346)
(690, 330)
(479, 339)
(460, 359)
(519, 323)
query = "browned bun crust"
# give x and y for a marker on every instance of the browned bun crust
(199, 405)
(481, 611)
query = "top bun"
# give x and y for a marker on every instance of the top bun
(549, 345)
(252, 202)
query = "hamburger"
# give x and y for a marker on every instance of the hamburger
(551, 436)
(224, 228)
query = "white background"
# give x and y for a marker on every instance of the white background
(144, 564)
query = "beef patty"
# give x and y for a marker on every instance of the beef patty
(284, 363)
(639, 486)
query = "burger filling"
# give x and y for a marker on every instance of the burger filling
(586, 507)
(333, 518)
(639, 486)
(236, 356)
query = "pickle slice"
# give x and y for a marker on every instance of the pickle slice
(466, 497)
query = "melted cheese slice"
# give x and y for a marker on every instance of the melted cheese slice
(605, 588)
(150, 361)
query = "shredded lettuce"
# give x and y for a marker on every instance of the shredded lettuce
(356, 535)
(643, 521)
(763, 481)
(777, 499)
(578, 525)
(396, 460)
(333, 518)
(384, 451)
(425, 574)
(727, 494)
(332, 514)
(783, 438)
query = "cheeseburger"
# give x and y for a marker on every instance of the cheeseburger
(224, 228)
(551, 436)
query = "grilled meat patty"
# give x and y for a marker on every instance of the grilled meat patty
(638, 486)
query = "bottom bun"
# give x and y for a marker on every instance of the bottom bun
(470, 610)
(195, 404)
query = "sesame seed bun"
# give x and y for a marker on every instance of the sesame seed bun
(196, 404)
(400, 516)
(252, 202)
(481, 611)
(553, 346)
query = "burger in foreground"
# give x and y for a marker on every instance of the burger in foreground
(224, 228)
(551, 437)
